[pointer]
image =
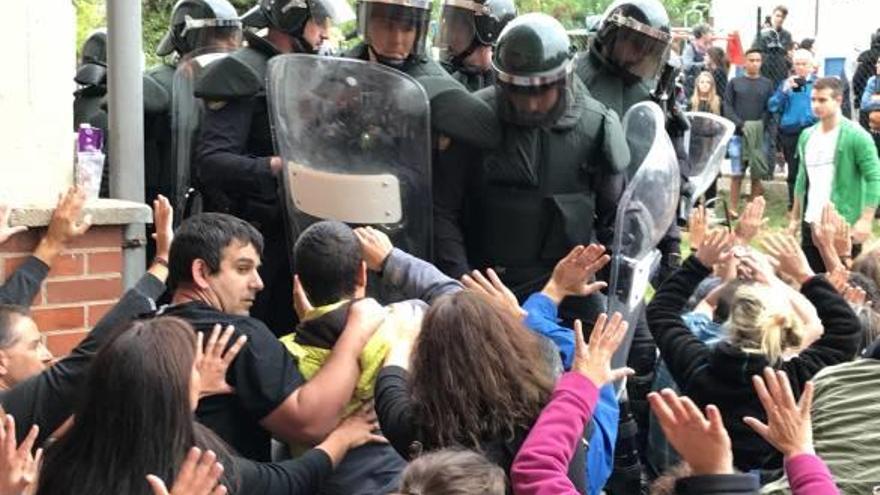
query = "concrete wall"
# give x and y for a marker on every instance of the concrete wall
(36, 102)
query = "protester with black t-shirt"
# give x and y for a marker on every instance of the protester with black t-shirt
(214, 261)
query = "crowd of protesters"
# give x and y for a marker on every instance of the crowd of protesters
(397, 378)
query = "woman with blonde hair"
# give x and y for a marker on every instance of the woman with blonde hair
(705, 97)
(762, 330)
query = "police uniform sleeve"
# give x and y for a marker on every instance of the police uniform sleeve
(457, 113)
(264, 374)
(614, 147)
(221, 152)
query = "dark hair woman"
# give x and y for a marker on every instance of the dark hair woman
(479, 380)
(136, 418)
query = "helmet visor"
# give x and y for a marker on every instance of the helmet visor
(533, 105)
(634, 47)
(201, 34)
(457, 30)
(332, 12)
(395, 31)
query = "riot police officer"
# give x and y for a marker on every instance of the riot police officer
(628, 53)
(91, 79)
(394, 33)
(468, 30)
(235, 160)
(195, 26)
(88, 99)
(537, 197)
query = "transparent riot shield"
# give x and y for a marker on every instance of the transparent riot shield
(644, 214)
(186, 115)
(707, 143)
(355, 141)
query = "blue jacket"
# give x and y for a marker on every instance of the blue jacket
(543, 319)
(872, 87)
(795, 107)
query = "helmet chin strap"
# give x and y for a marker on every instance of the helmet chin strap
(457, 61)
(391, 62)
(300, 45)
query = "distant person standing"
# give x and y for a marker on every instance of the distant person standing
(792, 102)
(745, 104)
(774, 42)
(839, 164)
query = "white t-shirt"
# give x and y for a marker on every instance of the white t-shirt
(819, 159)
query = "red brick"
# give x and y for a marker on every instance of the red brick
(103, 236)
(59, 318)
(10, 263)
(110, 262)
(24, 242)
(61, 343)
(68, 291)
(97, 311)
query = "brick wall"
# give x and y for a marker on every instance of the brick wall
(84, 283)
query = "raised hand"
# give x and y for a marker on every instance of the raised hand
(573, 273)
(216, 358)
(716, 248)
(491, 286)
(594, 361)
(790, 258)
(702, 441)
(199, 474)
(375, 245)
(788, 426)
(163, 219)
(65, 225)
(697, 226)
(752, 220)
(18, 468)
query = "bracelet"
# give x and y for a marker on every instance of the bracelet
(158, 260)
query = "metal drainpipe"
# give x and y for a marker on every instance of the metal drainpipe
(126, 114)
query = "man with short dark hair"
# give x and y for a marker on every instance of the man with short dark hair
(838, 164)
(213, 272)
(775, 42)
(331, 261)
(745, 104)
(693, 58)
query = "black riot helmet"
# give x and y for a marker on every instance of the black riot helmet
(197, 24)
(467, 24)
(533, 64)
(635, 38)
(92, 70)
(291, 16)
(382, 24)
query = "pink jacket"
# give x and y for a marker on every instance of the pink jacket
(541, 465)
(808, 475)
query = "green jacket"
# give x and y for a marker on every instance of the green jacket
(856, 184)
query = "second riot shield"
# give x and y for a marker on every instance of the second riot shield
(186, 115)
(707, 144)
(355, 141)
(644, 214)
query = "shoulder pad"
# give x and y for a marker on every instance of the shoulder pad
(158, 81)
(240, 75)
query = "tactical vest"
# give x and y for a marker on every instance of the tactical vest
(537, 198)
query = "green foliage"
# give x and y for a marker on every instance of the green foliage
(90, 15)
